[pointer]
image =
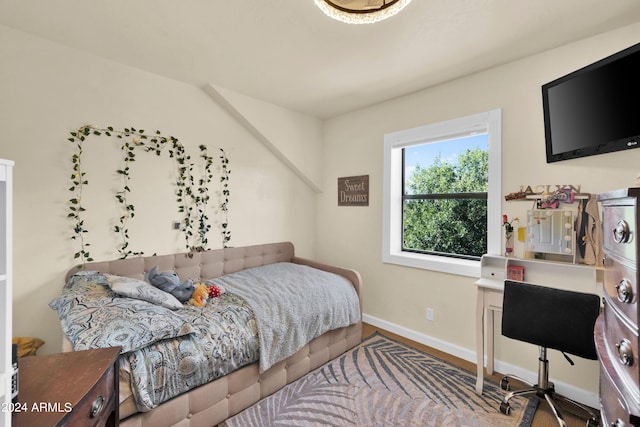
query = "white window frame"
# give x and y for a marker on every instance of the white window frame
(489, 122)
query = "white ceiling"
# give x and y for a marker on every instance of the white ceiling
(288, 53)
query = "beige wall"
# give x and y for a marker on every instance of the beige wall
(47, 90)
(354, 146)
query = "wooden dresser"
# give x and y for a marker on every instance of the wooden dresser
(616, 331)
(79, 388)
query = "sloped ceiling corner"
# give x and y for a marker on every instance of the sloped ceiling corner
(294, 138)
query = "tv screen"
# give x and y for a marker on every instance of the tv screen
(594, 110)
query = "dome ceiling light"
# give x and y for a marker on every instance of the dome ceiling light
(361, 11)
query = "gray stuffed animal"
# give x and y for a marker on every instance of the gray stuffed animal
(170, 282)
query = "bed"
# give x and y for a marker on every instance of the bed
(226, 355)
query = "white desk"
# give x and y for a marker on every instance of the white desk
(490, 289)
(489, 300)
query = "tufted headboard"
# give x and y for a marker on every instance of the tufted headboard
(200, 266)
(197, 266)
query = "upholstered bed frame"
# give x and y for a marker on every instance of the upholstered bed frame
(218, 400)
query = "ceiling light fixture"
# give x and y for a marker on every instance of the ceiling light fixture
(361, 11)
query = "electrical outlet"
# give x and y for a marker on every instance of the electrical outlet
(430, 315)
(175, 225)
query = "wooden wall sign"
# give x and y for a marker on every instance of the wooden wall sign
(353, 191)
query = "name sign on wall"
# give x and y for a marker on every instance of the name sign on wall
(353, 191)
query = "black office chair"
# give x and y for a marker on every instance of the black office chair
(552, 319)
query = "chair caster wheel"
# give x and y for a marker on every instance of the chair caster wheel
(592, 422)
(505, 408)
(504, 384)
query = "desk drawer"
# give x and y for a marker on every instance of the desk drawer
(493, 299)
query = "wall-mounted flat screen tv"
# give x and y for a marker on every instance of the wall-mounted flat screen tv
(595, 109)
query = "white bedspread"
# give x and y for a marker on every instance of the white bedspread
(293, 304)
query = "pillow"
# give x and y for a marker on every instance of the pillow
(126, 322)
(94, 316)
(138, 289)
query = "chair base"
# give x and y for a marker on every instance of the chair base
(549, 394)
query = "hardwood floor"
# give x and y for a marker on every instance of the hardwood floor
(543, 417)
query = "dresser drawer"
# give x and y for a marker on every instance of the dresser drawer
(619, 229)
(75, 380)
(621, 289)
(98, 405)
(614, 408)
(622, 348)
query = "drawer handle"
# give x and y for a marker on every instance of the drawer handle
(97, 406)
(625, 352)
(622, 232)
(625, 291)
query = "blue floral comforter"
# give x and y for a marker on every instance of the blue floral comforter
(166, 352)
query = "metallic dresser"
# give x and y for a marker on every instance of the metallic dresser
(616, 331)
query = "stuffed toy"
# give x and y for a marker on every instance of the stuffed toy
(200, 295)
(215, 290)
(170, 282)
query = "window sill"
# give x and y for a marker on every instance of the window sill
(460, 267)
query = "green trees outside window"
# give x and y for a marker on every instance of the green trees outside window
(445, 205)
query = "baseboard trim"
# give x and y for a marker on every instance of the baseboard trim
(578, 394)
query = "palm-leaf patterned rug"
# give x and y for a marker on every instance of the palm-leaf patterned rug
(383, 382)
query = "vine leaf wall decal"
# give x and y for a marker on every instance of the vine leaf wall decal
(192, 192)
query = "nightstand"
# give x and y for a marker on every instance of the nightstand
(79, 388)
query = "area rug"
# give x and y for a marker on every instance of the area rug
(383, 382)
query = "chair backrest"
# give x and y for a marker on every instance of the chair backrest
(550, 317)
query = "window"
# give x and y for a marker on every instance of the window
(444, 197)
(436, 226)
